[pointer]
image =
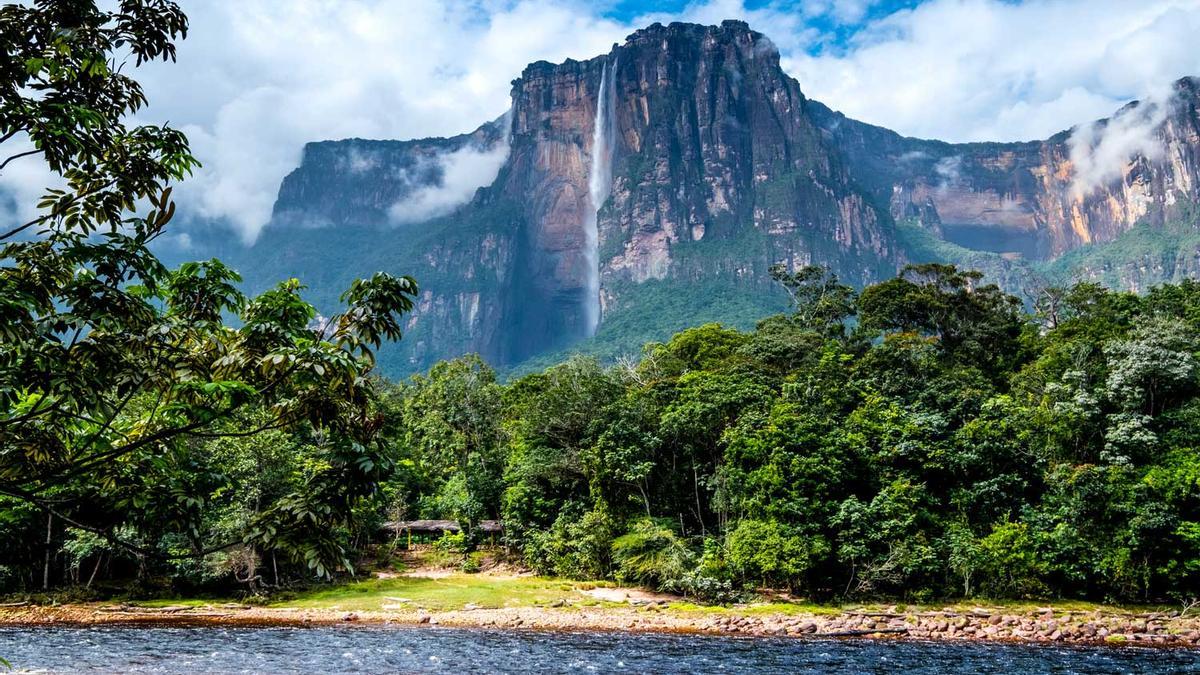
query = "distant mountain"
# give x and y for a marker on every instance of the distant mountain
(649, 189)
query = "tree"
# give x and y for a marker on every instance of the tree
(771, 552)
(554, 465)
(784, 467)
(1009, 562)
(819, 301)
(881, 541)
(1048, 303)
(112, 366)
(451, 419)
(693, 425)
(973, 323)
(964, 555)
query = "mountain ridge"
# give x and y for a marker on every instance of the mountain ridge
(720, 167)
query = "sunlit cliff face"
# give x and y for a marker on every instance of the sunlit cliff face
(686, 158)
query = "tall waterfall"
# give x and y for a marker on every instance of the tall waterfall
(599, 186)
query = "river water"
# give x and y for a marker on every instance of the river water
(461, 651)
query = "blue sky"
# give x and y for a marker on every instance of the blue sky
(257, 79)
(835, 32)
(624, 10)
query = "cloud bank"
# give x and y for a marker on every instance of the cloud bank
(974, 70)
(460, 174)
(257, 79)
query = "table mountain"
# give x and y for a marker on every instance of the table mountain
(648, 189)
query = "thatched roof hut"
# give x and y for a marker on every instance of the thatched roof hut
(437, 526)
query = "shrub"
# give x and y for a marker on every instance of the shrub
(472, 563)
(710, 580)
(652, 554)
(577, 546)
(770, 552)
(1011, 565)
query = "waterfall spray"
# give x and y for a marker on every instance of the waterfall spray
(599, 187)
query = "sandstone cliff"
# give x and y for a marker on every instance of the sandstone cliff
(1032, 198)
(709, 143)
(652, 187)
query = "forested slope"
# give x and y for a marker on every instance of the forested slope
(924, 439)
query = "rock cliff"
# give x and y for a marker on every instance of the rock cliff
(652, 187)
(1040, 199)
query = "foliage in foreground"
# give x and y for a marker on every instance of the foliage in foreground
(122, 386)
(925, 438)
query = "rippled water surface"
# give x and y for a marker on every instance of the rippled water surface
(388, 649)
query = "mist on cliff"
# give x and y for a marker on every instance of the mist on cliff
(1101, 151)
(462, 172)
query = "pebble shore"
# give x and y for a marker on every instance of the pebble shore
(1039, 625)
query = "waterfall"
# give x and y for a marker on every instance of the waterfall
(599, 186)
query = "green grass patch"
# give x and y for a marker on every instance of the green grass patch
(1058, 606)
(1015, 606)
(457, 590)
(447, 593)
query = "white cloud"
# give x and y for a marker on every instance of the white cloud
(463, 171)
(358, 162)
(1100, 151)
(949, 170)
(787, 27)
(840, 11)
(257, 80)
(25, 180)
(966, 70)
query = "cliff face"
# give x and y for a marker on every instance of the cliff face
(360, 182)
(704, 141)
(1040, 199)
(553, 114)
(683, 156)
(715, 145)
(650, 188)
(357, 206)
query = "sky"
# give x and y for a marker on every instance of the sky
(256, 79)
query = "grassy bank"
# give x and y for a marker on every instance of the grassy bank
(512, 601)
(445, 592)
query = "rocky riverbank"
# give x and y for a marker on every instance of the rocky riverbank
(1044, 624)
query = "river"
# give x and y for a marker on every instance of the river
(461, 651)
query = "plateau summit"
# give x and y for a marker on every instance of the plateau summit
(633, 194)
